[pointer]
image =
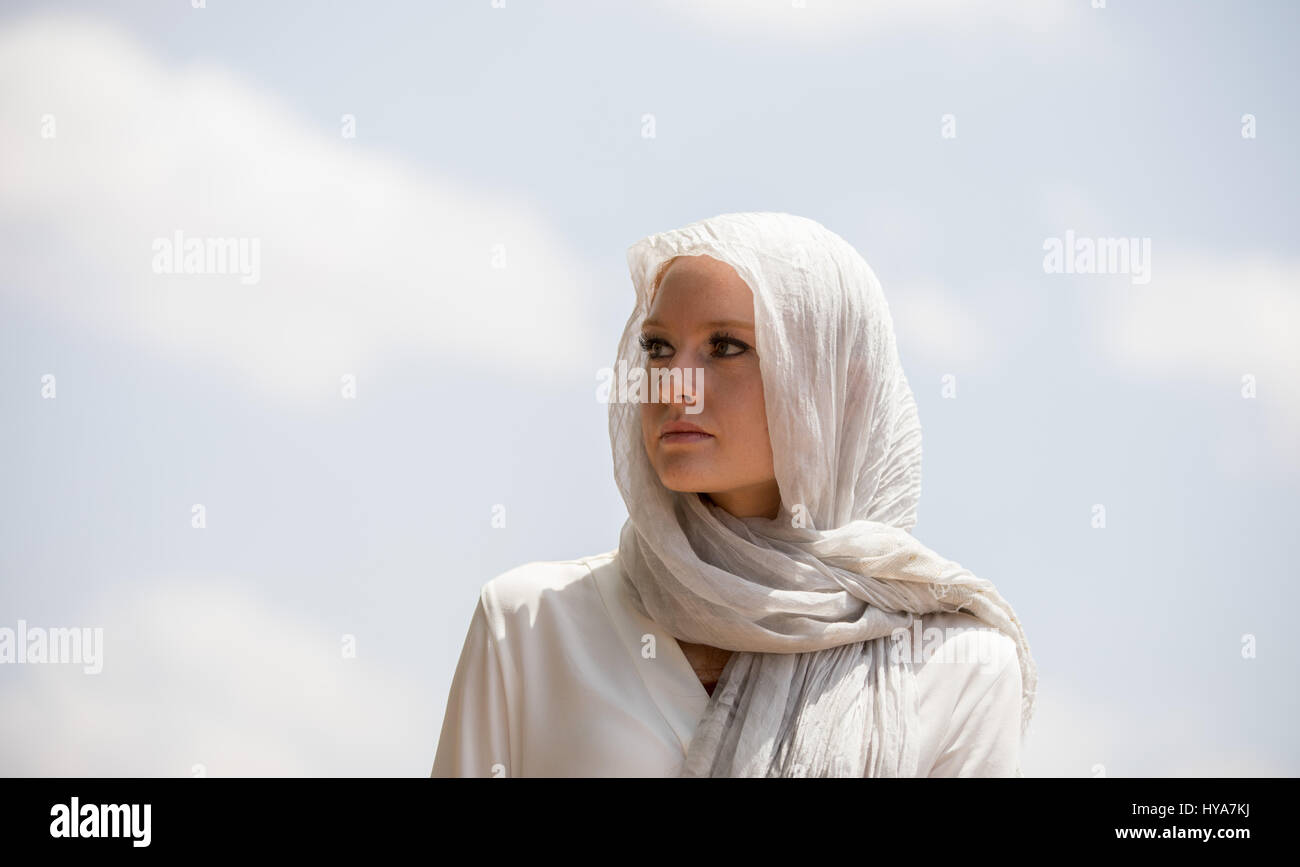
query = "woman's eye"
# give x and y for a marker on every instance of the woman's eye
(723, 347)
(651, 346)
(727, 343)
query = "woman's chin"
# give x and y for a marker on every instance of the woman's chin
(686, 483)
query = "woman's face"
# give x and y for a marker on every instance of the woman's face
(703, 318)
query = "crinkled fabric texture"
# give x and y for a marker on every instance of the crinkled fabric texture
(810, 598)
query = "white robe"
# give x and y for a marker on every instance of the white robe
(561, 676)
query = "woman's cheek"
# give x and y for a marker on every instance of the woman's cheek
(647, 427)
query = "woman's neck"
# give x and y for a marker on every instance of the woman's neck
(706, 661)
(762, 500)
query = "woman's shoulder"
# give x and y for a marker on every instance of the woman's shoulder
(526, 586)
(968, 675)
(958, 652)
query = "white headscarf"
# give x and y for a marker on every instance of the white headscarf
(810, 598)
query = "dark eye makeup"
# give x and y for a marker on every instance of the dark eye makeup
(717, 339)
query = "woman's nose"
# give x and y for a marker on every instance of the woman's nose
(682, 385)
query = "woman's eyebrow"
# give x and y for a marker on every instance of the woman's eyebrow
(717, 323)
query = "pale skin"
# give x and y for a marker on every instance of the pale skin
(702, 317)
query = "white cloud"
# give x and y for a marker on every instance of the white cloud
(359, 251)
(1072, 734)
(933, 325)
(1211, 320)
(1205, 319)
(1069, 737)
(212, 674)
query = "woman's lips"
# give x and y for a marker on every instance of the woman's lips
(684, 437)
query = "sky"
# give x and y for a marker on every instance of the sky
(442, 196)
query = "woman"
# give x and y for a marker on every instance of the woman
(767, 611)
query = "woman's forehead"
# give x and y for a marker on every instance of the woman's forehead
(697, 286)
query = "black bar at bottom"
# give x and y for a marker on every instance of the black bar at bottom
(217, 816)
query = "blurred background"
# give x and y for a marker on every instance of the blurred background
(273, 487)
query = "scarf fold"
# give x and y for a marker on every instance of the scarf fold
(808, 600)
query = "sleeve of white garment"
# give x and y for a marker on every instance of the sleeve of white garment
(475, 739)
(983, 739)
